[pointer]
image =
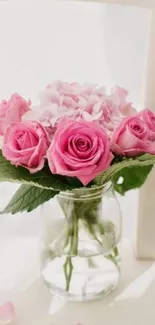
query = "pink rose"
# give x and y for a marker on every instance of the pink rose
(149, 118)
(130, 138)
(79, 149)
(12, 111)
(26, 144)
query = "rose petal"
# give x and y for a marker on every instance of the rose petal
(87, 117)
(96, 108)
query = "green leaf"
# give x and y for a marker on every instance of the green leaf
(133, 177)
(145, 160)
(44, 178)
(28, 198)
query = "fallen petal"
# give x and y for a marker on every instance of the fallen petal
(96, 108)
(7, 313)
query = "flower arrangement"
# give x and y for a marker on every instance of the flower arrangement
(77, 132)
(78, 137)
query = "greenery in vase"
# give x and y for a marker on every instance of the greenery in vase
(87, 211)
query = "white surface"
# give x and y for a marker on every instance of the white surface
(19, 265)
(132, 303)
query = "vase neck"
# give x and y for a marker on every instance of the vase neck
(86, 193)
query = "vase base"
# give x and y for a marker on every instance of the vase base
(85, 298)
(92, 278)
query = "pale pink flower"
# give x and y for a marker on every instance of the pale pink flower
(63, 99)
(26, 144)
(7, 313)
(119, 99)
(79, 149)
(75, 101)
(108, 110)
(71, 100)
(83, 101)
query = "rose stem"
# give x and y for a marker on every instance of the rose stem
(92, 232)
(114, 254)
(68, 266)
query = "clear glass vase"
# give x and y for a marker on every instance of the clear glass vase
(80, 260)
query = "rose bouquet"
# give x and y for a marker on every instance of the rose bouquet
(78, 137)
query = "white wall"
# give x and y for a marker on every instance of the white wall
(42, 40)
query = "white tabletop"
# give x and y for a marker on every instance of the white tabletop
(132, 302)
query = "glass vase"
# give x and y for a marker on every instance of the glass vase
(80, 260)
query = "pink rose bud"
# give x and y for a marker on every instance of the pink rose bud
(130, 138)
(26, 144)
(12, 111)
(79, 149)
